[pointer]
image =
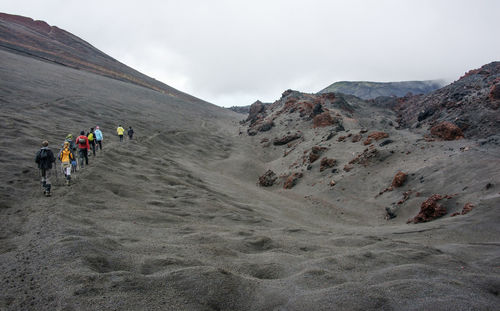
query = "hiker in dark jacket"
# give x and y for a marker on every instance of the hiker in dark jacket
(130, 132)
(44, 158)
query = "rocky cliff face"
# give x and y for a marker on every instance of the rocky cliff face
(38, 39)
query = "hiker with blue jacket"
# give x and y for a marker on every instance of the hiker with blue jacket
(98, 138)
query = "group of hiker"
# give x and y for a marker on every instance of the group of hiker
(92, 140)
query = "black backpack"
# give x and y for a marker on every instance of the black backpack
(82, 141)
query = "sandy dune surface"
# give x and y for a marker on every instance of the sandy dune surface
(174, 219)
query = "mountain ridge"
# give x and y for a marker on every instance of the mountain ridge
(371, 90)
(50, 43)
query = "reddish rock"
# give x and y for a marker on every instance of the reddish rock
(292, 180)
(255, 111)
(378, 135)
(364, 157)
(399, 179)
(429, 210)
(341, 138)
(315, 153)
(348, 167)
(356, 138)
(264, 140)
(447, 131)
(332, 183)
(467, 208)
(286, 139)
(367, 141)
(327, 163)
(268, 179)
(323, 119)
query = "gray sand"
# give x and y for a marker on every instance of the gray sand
(174, 220)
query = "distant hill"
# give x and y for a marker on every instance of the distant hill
(370, 90)
(25, 36)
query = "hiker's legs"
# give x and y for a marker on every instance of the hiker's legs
(66, 167)
(45, 181)
(81, 156)
(92, 146)
(86, 154)
(99, 142)
(121, 138)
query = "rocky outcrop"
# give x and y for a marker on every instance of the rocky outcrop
(286, 139)
(356, 138)
(364, 157)
(471, 102)
(447, 131)
(315, 153)
(429, 210)
(399, 179)
(323, 119)
(268, 179)
(327, 163)
(292, 180)
(467, 208)
(256, 112)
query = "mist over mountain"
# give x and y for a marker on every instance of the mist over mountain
(370, 90)
(312, 202)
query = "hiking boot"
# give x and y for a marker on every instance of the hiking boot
(67, 182)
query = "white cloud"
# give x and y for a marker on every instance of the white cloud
(239, 51)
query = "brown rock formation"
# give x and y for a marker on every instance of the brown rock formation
(268, 179)
(315, 153)
(467, 208)
(327, 163)
(286, 139)
(378, 135)
(447, 131)
(399, 179)
(364, 157)
(429, 210)
(292, 180)
(323, 119)
(356, 138)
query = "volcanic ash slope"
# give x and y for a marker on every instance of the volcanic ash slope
(174, 220)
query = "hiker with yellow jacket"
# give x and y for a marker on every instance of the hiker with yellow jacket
(120, 131)
(66, 156)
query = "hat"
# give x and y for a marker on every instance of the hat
(66, 143)
(45, 143)
(82, 132)
(70, 136)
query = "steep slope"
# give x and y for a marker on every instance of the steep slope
(370, 90)
(38, 39)
(471, 103)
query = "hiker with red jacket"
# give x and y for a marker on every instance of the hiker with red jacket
(83, 148)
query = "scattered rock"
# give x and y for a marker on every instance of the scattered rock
(315, 153)
(367, 141)
(348, 167)
(266, 126)
(447, 131)
(399, 179)
(341, 138)
(386, 142)
(356, 138)
(268, 179)
(467, 208)
(323, 119)
(292, 180)
(286, 139)
(389, 214)
(327, 163)
(429, 210)
(488, 186)
(332, 183)
(364, 157)
(378, 135)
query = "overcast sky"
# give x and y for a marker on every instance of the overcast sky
(235, 52)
